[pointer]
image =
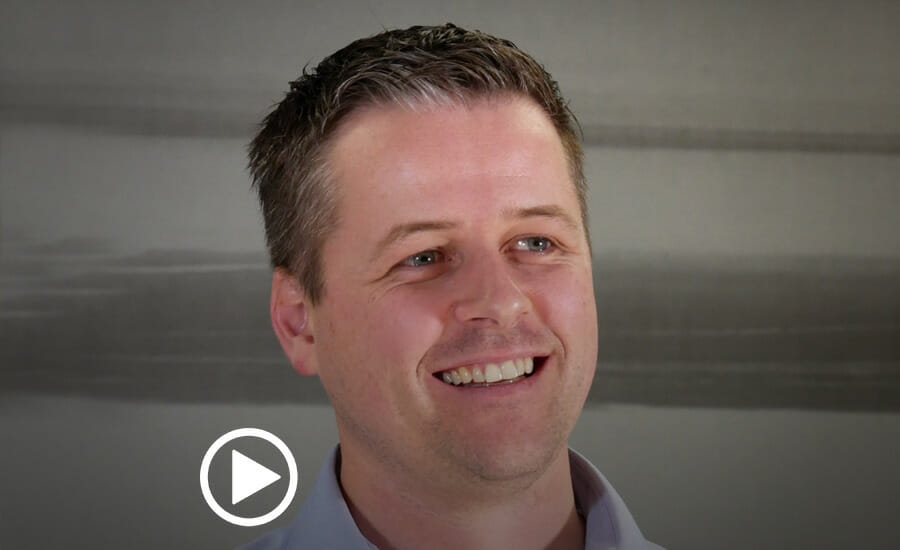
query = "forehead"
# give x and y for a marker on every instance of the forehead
(495, 142)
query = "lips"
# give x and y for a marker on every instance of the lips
(488, 374)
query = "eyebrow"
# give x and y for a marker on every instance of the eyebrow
(544, 211)
(404, 230)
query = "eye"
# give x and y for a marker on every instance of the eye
(424, 258)
(534, 244)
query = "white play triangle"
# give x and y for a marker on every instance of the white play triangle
(248, 477)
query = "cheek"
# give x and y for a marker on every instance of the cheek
(565, 300)
(407, 325)
(390, 334)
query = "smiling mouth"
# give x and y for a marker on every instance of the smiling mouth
(492, 374)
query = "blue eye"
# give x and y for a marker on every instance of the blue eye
(534, 244)
(425, 258)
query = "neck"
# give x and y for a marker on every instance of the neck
(394, 512)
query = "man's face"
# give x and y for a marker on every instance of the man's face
(459, 244)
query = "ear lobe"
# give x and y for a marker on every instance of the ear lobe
(290, 318)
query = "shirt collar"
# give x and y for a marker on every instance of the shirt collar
(324, 520)
(608, 523)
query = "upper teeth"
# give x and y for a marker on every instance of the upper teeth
(489, 373)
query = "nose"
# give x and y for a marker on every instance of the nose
(489, 293)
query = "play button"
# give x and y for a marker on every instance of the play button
(248, 476)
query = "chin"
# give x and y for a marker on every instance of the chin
(508, 460)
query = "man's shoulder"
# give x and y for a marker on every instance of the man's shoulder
(324, 520)
(273, 540)
(277, 540)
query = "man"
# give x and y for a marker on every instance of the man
(425, 212)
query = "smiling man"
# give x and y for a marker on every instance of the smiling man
(425, 212)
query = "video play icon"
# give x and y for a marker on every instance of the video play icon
(248, 476)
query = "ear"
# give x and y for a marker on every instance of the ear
(291, 320)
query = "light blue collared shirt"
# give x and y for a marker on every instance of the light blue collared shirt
(325, 521)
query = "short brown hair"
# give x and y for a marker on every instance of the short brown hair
(407, 66)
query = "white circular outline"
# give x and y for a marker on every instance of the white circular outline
(292, 476)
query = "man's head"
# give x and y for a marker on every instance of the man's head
(415, 67)
(437, 179)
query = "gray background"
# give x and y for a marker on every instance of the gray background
(745, 214)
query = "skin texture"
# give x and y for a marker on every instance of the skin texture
(459, 242)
